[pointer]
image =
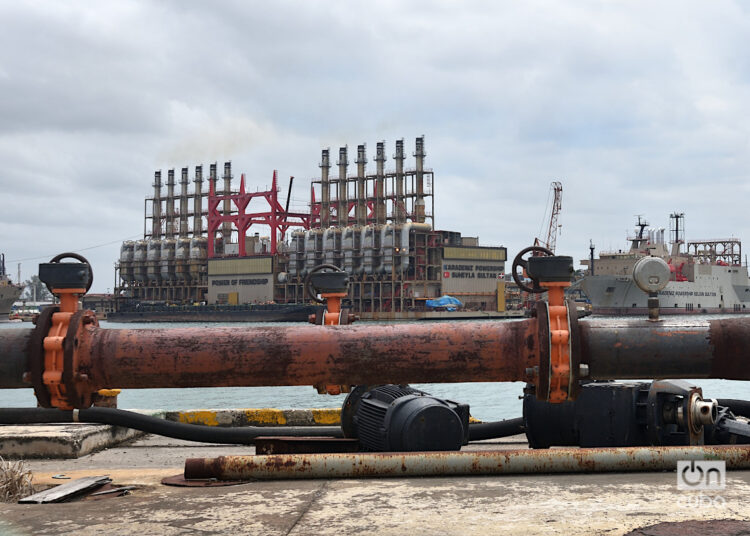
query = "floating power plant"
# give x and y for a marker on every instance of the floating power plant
(202, 246)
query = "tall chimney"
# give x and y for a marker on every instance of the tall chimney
(380, 216)
(213, 178)
(226, 228)
(156, 208)
(361, 186)
(342, 213)
(399, 207)
(325, 189)
(198, 202)
(419, 153)
(183, 230)
(169, 227)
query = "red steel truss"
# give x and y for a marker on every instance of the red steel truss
(276, 217)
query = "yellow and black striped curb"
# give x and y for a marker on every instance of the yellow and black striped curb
(258, 417)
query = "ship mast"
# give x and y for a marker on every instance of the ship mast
(637, 241)
(677, 234)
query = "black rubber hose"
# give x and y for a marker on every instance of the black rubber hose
(738, 407)
(155, 425)
(493, 430)
(213, 434)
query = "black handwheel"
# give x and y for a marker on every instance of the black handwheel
(520, 261)
(80, 258)
(308, 280)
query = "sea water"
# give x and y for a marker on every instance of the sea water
(488, 400)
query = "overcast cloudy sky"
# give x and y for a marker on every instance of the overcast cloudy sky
(637, 107)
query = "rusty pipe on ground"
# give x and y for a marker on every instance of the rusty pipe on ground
(497, 462)
(97, 358)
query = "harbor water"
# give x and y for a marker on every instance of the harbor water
(488, 400)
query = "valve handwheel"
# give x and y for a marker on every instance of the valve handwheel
(524, 263)
(308, 281)
(80, 258)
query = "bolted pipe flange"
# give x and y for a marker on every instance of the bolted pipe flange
(53, 367)
(557, 377)
(75, 389)
(35, 356)
(560, 355)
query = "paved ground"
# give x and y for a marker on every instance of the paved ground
(611, 504)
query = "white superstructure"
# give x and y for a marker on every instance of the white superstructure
(707, 278)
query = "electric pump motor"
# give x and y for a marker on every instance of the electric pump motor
(625, 414)
(398, 418)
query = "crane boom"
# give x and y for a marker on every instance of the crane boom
(556, 207)
(551, 241)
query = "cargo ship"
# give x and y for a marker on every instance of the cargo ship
(9, 292)
(707, 276)
(206, 246)
(274, 312)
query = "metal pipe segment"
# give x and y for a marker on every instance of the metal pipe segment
(308, 355)
(411, 464)
(674, 349)
(377, 354)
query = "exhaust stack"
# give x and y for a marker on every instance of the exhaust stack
(183, 230)
(419, 153)
(399, 205)
(325, 189)
(380, 214)
(226, 228)
(198, 201)
(342, 213)
(169, 227)
(361, 186)
(156, 208)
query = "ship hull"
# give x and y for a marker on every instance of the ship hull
(8, 295)
(723, 290)
(265, 313)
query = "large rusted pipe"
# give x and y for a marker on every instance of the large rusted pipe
(14, 344)
(694, 348)
(401, 353)
(309, 355)
(497, 462)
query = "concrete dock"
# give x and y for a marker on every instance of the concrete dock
(612, 504)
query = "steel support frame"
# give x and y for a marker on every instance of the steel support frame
(277, 218)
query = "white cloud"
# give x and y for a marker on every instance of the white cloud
(636, 107)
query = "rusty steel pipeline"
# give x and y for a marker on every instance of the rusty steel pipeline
(486, 351)
(311, 355)
(14, 346)
(678, 348)
(495, 462)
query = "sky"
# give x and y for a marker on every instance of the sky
(636, 107)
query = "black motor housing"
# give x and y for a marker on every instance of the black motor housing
(615, 414)
(398, 418)
(603, 415)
